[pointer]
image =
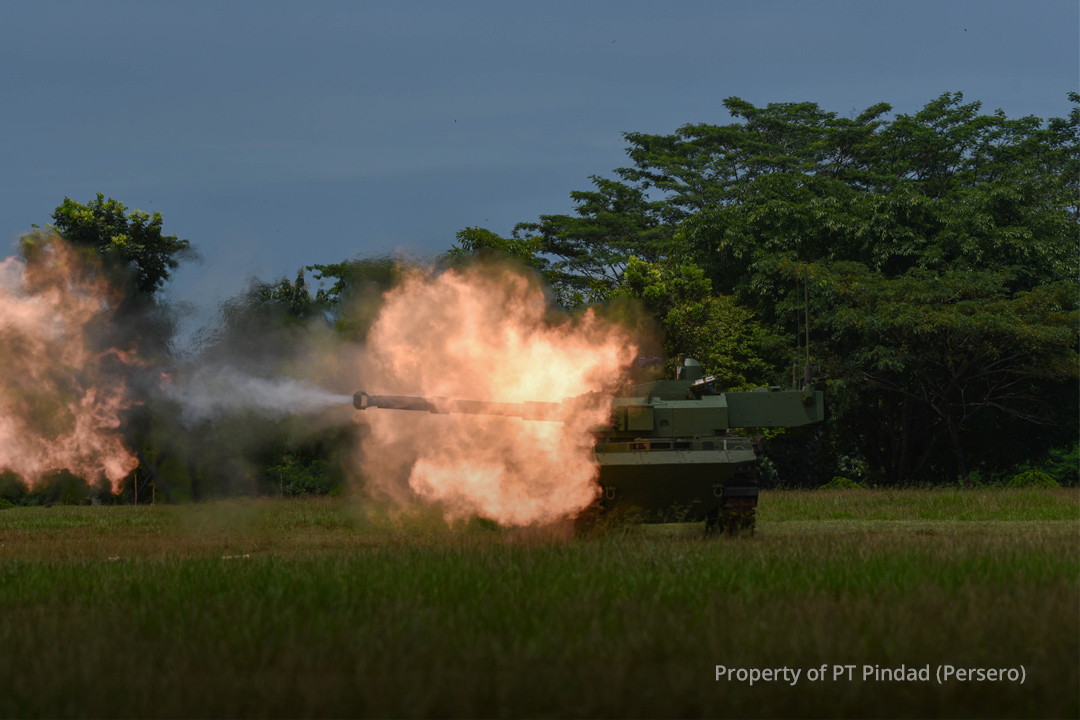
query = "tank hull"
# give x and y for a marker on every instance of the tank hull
(681, 480)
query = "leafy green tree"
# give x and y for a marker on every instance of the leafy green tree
(133, 242)
(583, 256)
(723, 336)
(473, 240)
(983, 202)
(704, 166)
(299, 475)
(946, 349)
(990, 193)
(131, 250)
(1063, 463)
(293, 297)
(353, 300)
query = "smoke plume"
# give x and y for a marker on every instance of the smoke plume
(208, 393)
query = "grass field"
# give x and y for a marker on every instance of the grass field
(322, 608)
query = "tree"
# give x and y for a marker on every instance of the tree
(136, 330)
(944, 350)
(704, 166)
(724, 337)
(789, 199)
(944, 193)
(353, 300)
(588, 251)
(293, 296)
(133, 243)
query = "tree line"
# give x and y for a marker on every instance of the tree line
(927, 266)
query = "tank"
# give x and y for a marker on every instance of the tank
(669, 453)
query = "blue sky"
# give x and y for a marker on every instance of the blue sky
(278, 134)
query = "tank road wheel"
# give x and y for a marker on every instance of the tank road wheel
(739, 515)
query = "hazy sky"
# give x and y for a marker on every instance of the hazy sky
(280, 134)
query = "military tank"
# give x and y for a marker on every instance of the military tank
(668, 453)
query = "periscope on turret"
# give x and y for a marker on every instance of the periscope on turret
(668, 453)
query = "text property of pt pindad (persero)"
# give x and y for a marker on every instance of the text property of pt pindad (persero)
(942, 674)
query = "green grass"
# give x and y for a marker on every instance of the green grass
(909, 505)
(320, 608)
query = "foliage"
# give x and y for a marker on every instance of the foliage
(58, 488)
(262, 324)
(723, 336)
(293, 298)
(841, 483)
(937, 252)
(802, 457)
(1063, 464)
(701, 166)
(475, 240)
(570, 289)
(132, 243)
(590, 249)
(354, 299)
(917, 240)
(1033, 479)
(131, 251)
(945, 349)
(300, 476)
(262, 334)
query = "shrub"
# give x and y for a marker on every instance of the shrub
(841, 483)
(1033, 479)
(1063, 463)
(297, 476)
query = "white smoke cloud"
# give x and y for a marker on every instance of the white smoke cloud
(212, 393)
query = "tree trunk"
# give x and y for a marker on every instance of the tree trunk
(961, 466)
(903, 460)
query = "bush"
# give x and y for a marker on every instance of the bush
(1033, 479)
(296, 476)
(841, 483)
(1063, 464)
(5, 504)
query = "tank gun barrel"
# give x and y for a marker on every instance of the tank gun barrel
(660, 411)
(528, 410)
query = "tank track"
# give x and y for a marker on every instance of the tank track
(736, 516)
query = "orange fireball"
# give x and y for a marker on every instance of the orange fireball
(484, 334)
(60, 397)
